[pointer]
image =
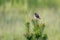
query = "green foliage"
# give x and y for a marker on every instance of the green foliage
(2, 2)
(34, 3)
(37, 31)
(44, 37)
(28, 35)
(27, 26)
(17, 1)
(12, 2)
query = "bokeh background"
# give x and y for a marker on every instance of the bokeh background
(14, 14)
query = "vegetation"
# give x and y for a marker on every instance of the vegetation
(37, 33)
(33, 3)
(12, 19)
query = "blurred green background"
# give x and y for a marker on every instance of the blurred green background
(14, 14)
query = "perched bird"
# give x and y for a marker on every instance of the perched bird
(36, 16)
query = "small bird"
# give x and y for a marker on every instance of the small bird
(36, 16)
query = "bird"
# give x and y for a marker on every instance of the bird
(36, 16)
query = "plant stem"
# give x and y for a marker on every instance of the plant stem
(37, 39)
